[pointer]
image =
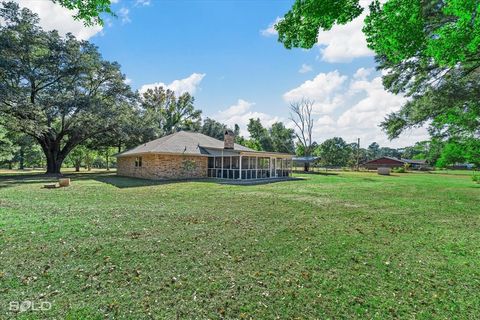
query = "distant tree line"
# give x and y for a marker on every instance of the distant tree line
(62, 104)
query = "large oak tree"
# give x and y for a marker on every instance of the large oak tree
(428, 51)
(57, 90)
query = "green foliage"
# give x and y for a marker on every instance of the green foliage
(7, 149)
(213, 128)
(76, 157)
(57, 90)
(373, 151)
(300, 26)
(88, 11)
(188, 166)
(399, 170)
(260, 135)
(458, 38)
(282, 138)
(424, 150)
(29, 153)
(252, 144)
(445, 31)
(334, 152)
(277, 138)
(428, 50)
(89, 158)
(463, 151)
(357, 155)
(451, 107)
(33, 157)
(395, 29)
(476, 177)
(389, 152)
(166, 113)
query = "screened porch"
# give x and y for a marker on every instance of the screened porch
(248, 167)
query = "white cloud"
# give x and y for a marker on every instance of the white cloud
(124, 15)
(305, 68)
(240, 113)
(353, 107)
(369, 111)
(55, 17)
(323, 90)
(343, 43)
(142, 2)
(270, 30)
(325, 120)
(189, 84)
(128, 81)
(363, 73)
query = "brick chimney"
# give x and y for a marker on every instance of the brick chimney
(228, 139)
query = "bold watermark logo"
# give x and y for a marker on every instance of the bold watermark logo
(22, 306)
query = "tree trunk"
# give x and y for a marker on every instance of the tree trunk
(306, 166)
(77, 168)
(10, 165)
(22, 155)
(54, 164)
(53, 154)
(108, 158)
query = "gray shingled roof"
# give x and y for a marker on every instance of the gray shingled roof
(182, 142)
(412, 161)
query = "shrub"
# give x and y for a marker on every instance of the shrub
(476, 177)
(399, 170)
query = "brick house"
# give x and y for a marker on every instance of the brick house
(190, 155)
(389, 162)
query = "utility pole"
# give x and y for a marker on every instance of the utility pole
(358, 154)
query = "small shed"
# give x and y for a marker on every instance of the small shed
(384, 162)
(304, 162)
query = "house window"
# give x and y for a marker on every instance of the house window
(138, 161)
(211, 162)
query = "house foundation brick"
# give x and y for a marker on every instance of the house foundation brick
(163, 167)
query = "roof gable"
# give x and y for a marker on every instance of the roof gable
(182, 142)
(385, 158)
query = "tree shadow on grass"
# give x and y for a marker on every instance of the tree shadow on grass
(320, 173)
(11, 180)
(128, 182)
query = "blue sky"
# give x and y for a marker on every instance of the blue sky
(226, 53)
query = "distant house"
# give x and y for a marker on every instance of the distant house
(390, 162)
(304, 162)
(417, 164)
(462, 166)
(185, 155)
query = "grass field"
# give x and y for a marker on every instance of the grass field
(343, 245)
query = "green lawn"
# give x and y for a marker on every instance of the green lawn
(343, 245)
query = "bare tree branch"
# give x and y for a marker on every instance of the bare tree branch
(301, 115)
